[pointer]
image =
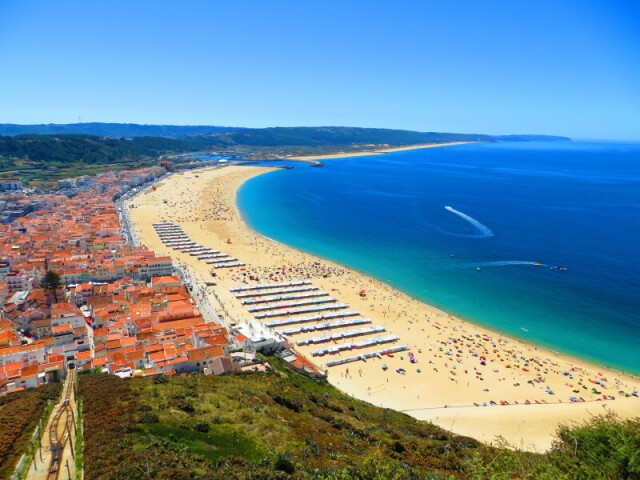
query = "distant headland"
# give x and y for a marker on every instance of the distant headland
(53, 151)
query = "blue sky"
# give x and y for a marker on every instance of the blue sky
(569, 67)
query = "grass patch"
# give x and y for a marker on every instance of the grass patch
(221, 441)
(79, 444)
(280, 425)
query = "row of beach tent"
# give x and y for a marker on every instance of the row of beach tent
(276, 291)
(268, 285)
(225, 259)
(291, 296)
(351, 345)
(365, 356)
(330, 337)
(230, 265)
(300, 303)
(212, 254)
(173, 236)
(312, 318)
(324, 326)
(293, 311)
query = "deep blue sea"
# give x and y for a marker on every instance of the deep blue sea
(574, 205)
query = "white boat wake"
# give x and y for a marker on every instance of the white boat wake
(497, 263)
(504, 263)
(484, 231)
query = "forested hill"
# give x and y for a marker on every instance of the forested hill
(60, 150)
(112, 129)
(81, 149)
(321, 136)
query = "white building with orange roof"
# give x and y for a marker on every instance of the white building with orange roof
(201, 358)
(18, 282)
(29, 377)
(62, 334)
(32, 353)
(66, 312)
(157, 283)
(155, 267)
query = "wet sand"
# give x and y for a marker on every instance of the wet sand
(465, 378)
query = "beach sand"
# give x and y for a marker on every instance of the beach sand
(374, 151)
(462, 366)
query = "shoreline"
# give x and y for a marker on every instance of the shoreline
(444, 400)
(377, 151)
(471, 321)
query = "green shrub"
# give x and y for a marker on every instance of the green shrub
(283, 463)
(203, 427)
(162, 379)
(148, 417)
(178, 401)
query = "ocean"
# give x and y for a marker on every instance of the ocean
(538, 240)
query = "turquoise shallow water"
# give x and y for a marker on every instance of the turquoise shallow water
(574, 205)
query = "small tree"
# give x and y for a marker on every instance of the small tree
(51, 282)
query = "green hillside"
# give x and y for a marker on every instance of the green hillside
(275, 425)
(111, 129)
(338, 136)
(85, 149)
(278, 425)
(32, 156)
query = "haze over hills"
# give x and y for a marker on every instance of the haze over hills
(112, 129)
(273, 136)
(319, 136)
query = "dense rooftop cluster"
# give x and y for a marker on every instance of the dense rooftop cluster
(118, 308)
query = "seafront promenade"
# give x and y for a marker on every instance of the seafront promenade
(456, 374)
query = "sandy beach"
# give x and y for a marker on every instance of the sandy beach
(374, 151)
(462, 377)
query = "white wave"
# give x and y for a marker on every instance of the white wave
(485, 232)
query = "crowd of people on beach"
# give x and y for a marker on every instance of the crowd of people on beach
(219, 208)
(184, 203)
(288, 272)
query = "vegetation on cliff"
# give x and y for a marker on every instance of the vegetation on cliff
(278, 425)
(255, 425)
